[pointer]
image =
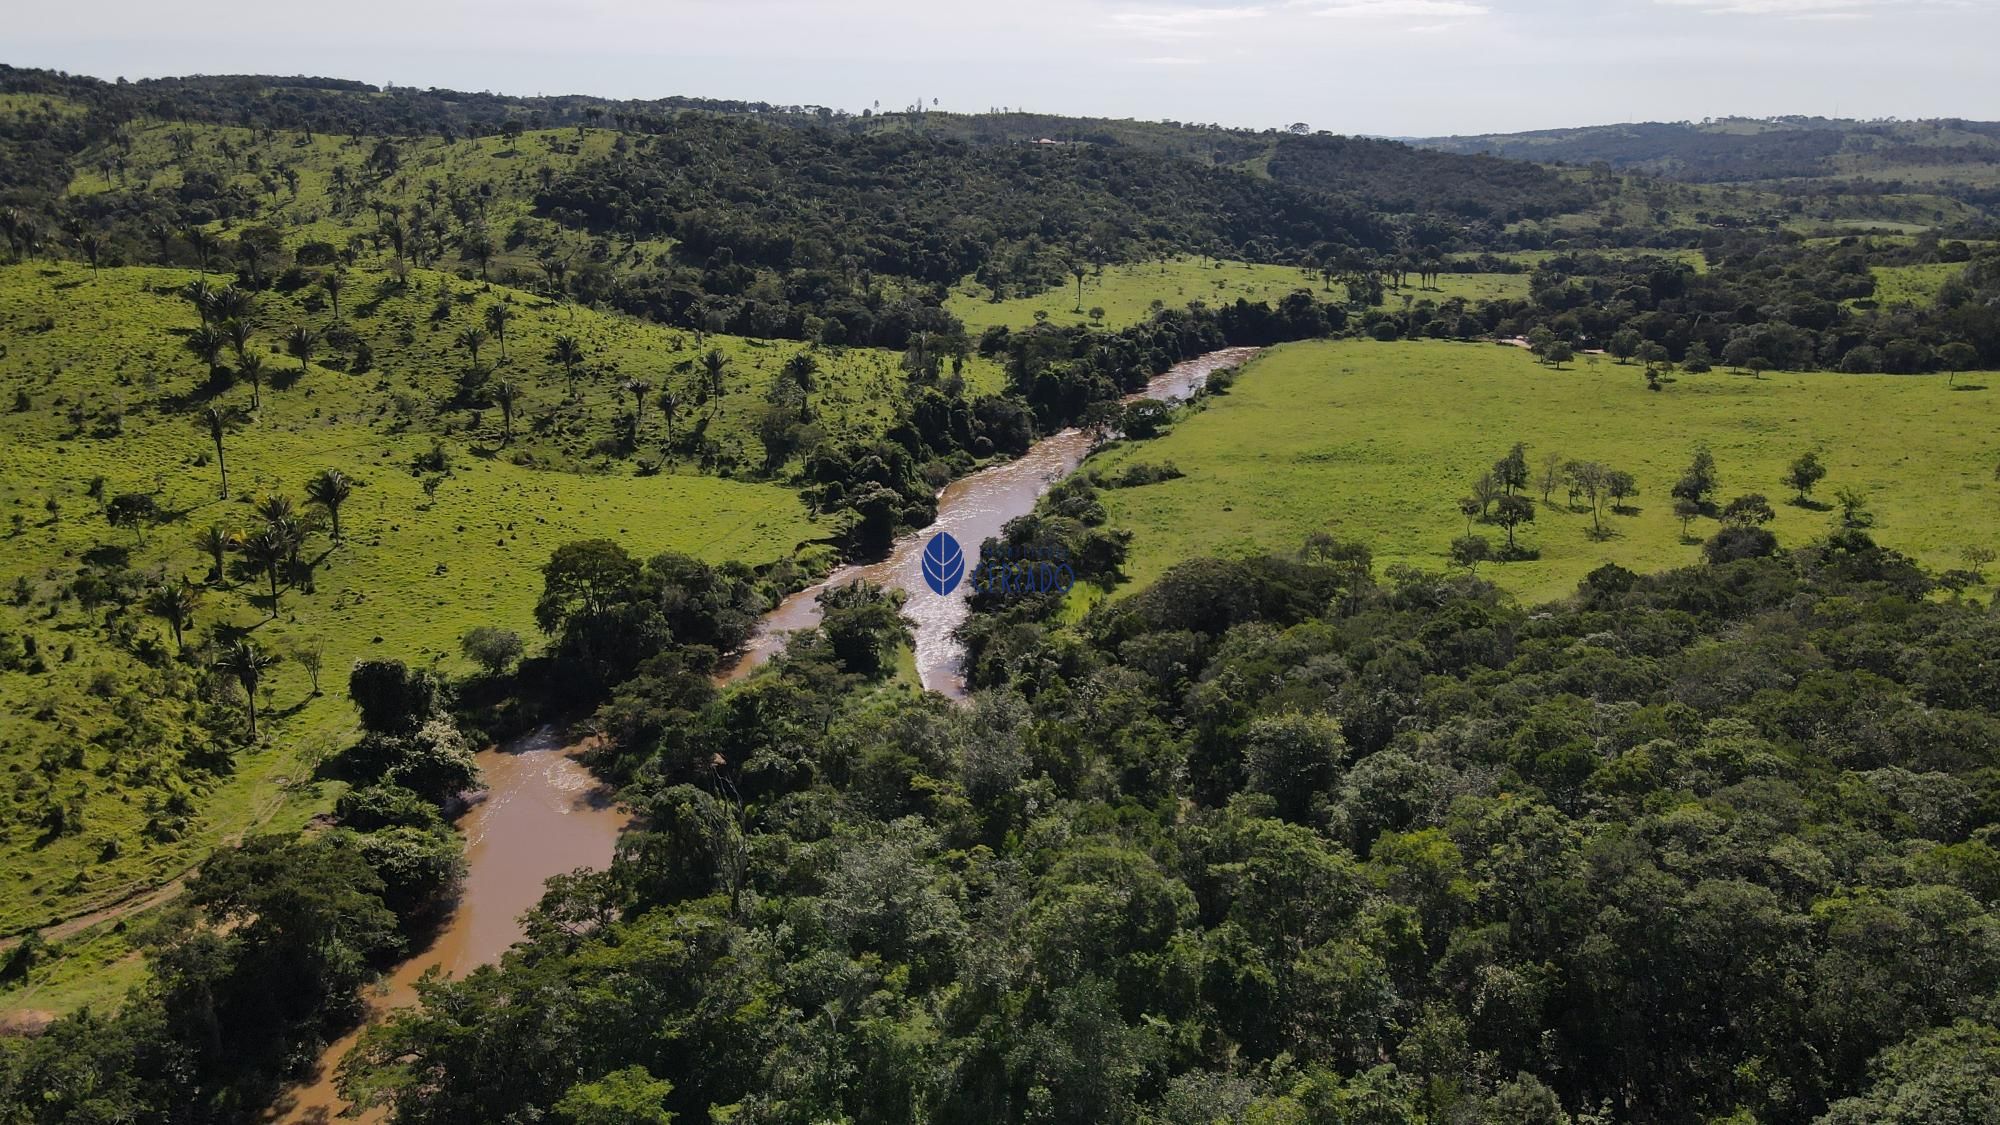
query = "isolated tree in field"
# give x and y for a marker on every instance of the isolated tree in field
(218, 421)
(669, 405)
(1512, 470)
(1977, 559)
(1620, 486)
(1699, 482)
(477, 245)
(1550, 476)
(312, 657)
(329, 489)
(1957, 357)
(333, 283)
(1078, 268)
(1685, 510)
(1485, 490)
(1510, 512)
(566, 351)
(1589, 479)
(1559, 353)
(1750, 510)
(638, 389)
(714, 364)
(505, 396)
(1804, 473)
(244, 662)
(1470, 508)
(497, 318)
(215, 541)
(1624, 344)
(134, 510)
(175, 603)
(251, 368)
(1469, 551)
(472, 339)
(267, 548)
(92, 247)
(299, 343)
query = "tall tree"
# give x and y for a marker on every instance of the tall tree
(497, 318)
(300, 342)
(175, 603)
(506, 395)
(218, 421)
(330, 488)
(243, 661)
(638, 389)
(714, 365)
(333, 283)
(566, 351)
(251, 367)
(215, 541)
(472, 339)
(268, 548)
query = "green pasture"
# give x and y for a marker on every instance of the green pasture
(1377, 442)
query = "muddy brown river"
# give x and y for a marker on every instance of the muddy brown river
(973, 509)
(543, 813)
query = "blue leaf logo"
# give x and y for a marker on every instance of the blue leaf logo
(944, 564)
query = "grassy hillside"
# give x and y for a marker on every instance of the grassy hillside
(1372, 442)
(99, 387)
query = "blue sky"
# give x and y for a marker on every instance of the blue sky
(1397, 67)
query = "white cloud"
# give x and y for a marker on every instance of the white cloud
(1400, 9)
(1179, 23)
(1809, 9)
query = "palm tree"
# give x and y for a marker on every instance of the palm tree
(497, 317)
(175, 604)
(93, 251)
(207, 344)
(199, 295)
(506, 395)
(219, 420)
(569, 353)
(472, 339)
(203, 245)
(237, 331)
(714, 363)
(231, 303)
(251, 367)
(669, 403)
(330, 489)
(247, 663)
(268, 549)
(333, 283)
(215, 541)
(300, 342)
(638, 389)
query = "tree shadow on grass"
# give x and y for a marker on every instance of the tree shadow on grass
(1968, 386)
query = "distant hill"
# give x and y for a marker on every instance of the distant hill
(1949, 156)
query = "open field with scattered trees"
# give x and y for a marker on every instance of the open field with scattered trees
(1375, 444)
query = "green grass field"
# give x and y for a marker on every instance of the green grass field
(98, 386)
(1376, 442)
(1127, 293)
(1912, 285)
